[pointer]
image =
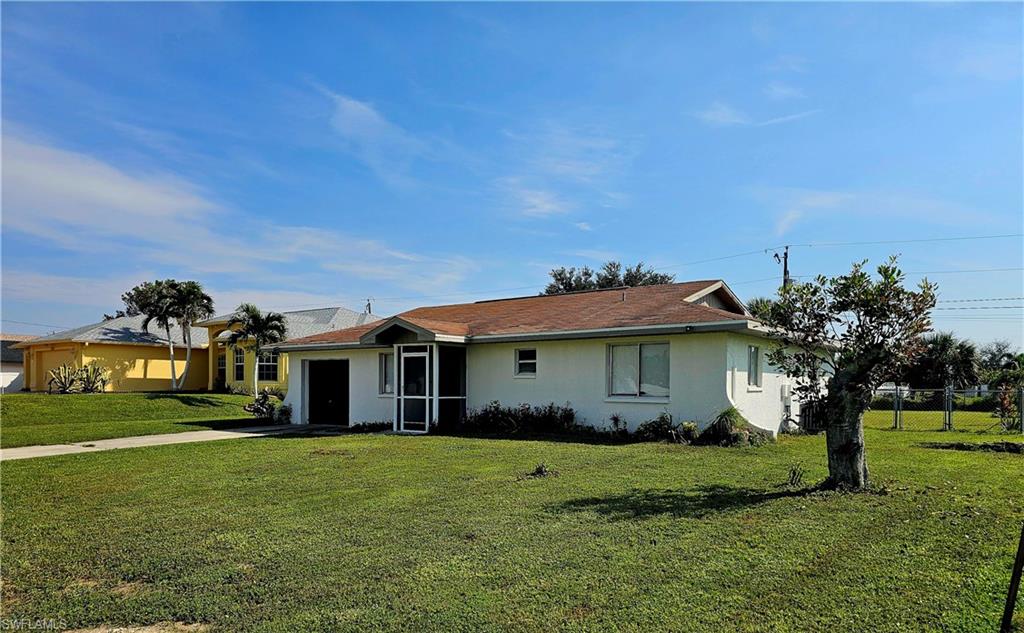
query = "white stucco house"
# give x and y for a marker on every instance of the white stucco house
(688, 348)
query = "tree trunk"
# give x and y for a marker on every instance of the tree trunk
(844, 440)
(186, 331)
(256, 372)
(174, 373)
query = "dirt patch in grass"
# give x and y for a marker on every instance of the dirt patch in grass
(991, 447)
(129, 588)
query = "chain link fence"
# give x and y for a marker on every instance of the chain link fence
(947, 410)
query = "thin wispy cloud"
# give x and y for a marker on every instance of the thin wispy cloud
(792, 206)
(721, 114)
(788, 64)
(584, 226)
(84, 204)
(779, 91)
(594, 254)
(533, 202)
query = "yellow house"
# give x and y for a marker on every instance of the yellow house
(232, 367)
(135, 359)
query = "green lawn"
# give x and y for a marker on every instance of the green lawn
(966, 421)
(373, 532)
(35, 418)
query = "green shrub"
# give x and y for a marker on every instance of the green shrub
(283, 415)
(370, 427)
(63, 379)
(261, 407)
(276, 392)
(240, 390)
(730, 428)
(689, 431)
(660, 429)
(92, 378)
(495, 419)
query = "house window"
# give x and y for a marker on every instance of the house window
(639, 370)
(386, 377)
(268, 366)
(222, 366)
(753, 366)
(526, 362)
(239, 364)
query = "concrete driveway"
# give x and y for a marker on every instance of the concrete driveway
(28, 452)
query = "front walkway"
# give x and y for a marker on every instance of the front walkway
(28, 452)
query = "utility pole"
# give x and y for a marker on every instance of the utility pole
(784, 260)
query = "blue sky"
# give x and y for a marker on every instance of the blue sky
(319, 154)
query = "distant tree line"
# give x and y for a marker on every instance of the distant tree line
(945, 360)
(611, 275)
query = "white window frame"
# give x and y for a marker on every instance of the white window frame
(515, 369)
(236, 364)
(381, 371)
(265, 364)
(609, 368)
(754, 368)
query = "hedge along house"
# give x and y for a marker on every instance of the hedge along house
(233, 366)
(690, 349)
(135, 359)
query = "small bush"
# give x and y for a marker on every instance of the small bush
(261, 407)
(276, 392)
(540, 471)
(283, 415)
(619, 427)
(796, 475)
(240, 390)
(688, 431)
(63, 379)
(495, 419)
(660, 429)
(730, 428)
(92, 378)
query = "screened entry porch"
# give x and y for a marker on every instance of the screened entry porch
(430, 385)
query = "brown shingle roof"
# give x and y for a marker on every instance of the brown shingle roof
(595, 310)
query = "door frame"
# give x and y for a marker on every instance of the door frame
(400, 400)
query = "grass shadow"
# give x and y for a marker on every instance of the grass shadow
(189, 400)
(225, 423)
(991, 447)
(692, 503)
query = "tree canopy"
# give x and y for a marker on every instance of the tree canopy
(839, 338)
(610, 275)
(945, 361)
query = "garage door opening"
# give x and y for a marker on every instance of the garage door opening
(327, 392)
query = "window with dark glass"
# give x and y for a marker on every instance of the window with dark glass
(239, 363)
(526, 362)
(386, 379)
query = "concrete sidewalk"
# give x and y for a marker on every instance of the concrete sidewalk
(28, 452)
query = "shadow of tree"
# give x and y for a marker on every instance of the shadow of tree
(692, 503)
(189, 400)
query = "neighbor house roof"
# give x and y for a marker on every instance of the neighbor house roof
(8, 353)
(573, 313)
(300, 323)
(126, 330)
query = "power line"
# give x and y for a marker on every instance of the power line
(62, 327)
(974, 300)
(984, 308)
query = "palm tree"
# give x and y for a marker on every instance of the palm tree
(155, 300)
(946, 362)
(760, 307)
(257, 330)
(191, 305)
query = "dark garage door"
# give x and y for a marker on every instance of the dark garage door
(328, 392)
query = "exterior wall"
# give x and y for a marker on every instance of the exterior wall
(574, 371)
(146, 367)
(40, 359)
(11, 377)
(365, 404)
(763, 406)
(131, 367)
(250, 367)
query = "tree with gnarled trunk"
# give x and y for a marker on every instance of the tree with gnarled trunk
(841, 337)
